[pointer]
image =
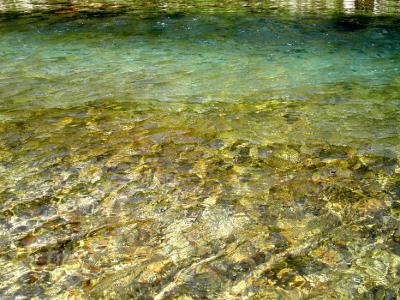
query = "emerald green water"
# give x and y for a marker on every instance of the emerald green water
(196, 150)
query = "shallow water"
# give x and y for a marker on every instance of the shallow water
(199, 150)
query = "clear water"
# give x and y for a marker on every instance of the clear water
(201, 150)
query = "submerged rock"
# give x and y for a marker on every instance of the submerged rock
(130, 210)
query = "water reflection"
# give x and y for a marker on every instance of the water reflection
(378, 7)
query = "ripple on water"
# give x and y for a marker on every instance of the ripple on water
(128, 209)
(210, 152)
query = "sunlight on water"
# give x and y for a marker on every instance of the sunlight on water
(204, 151)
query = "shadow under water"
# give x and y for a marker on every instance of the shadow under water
(212, 155)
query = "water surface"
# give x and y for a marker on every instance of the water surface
(203, 150)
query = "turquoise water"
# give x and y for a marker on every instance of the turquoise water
(340, 75)
(199, 151)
